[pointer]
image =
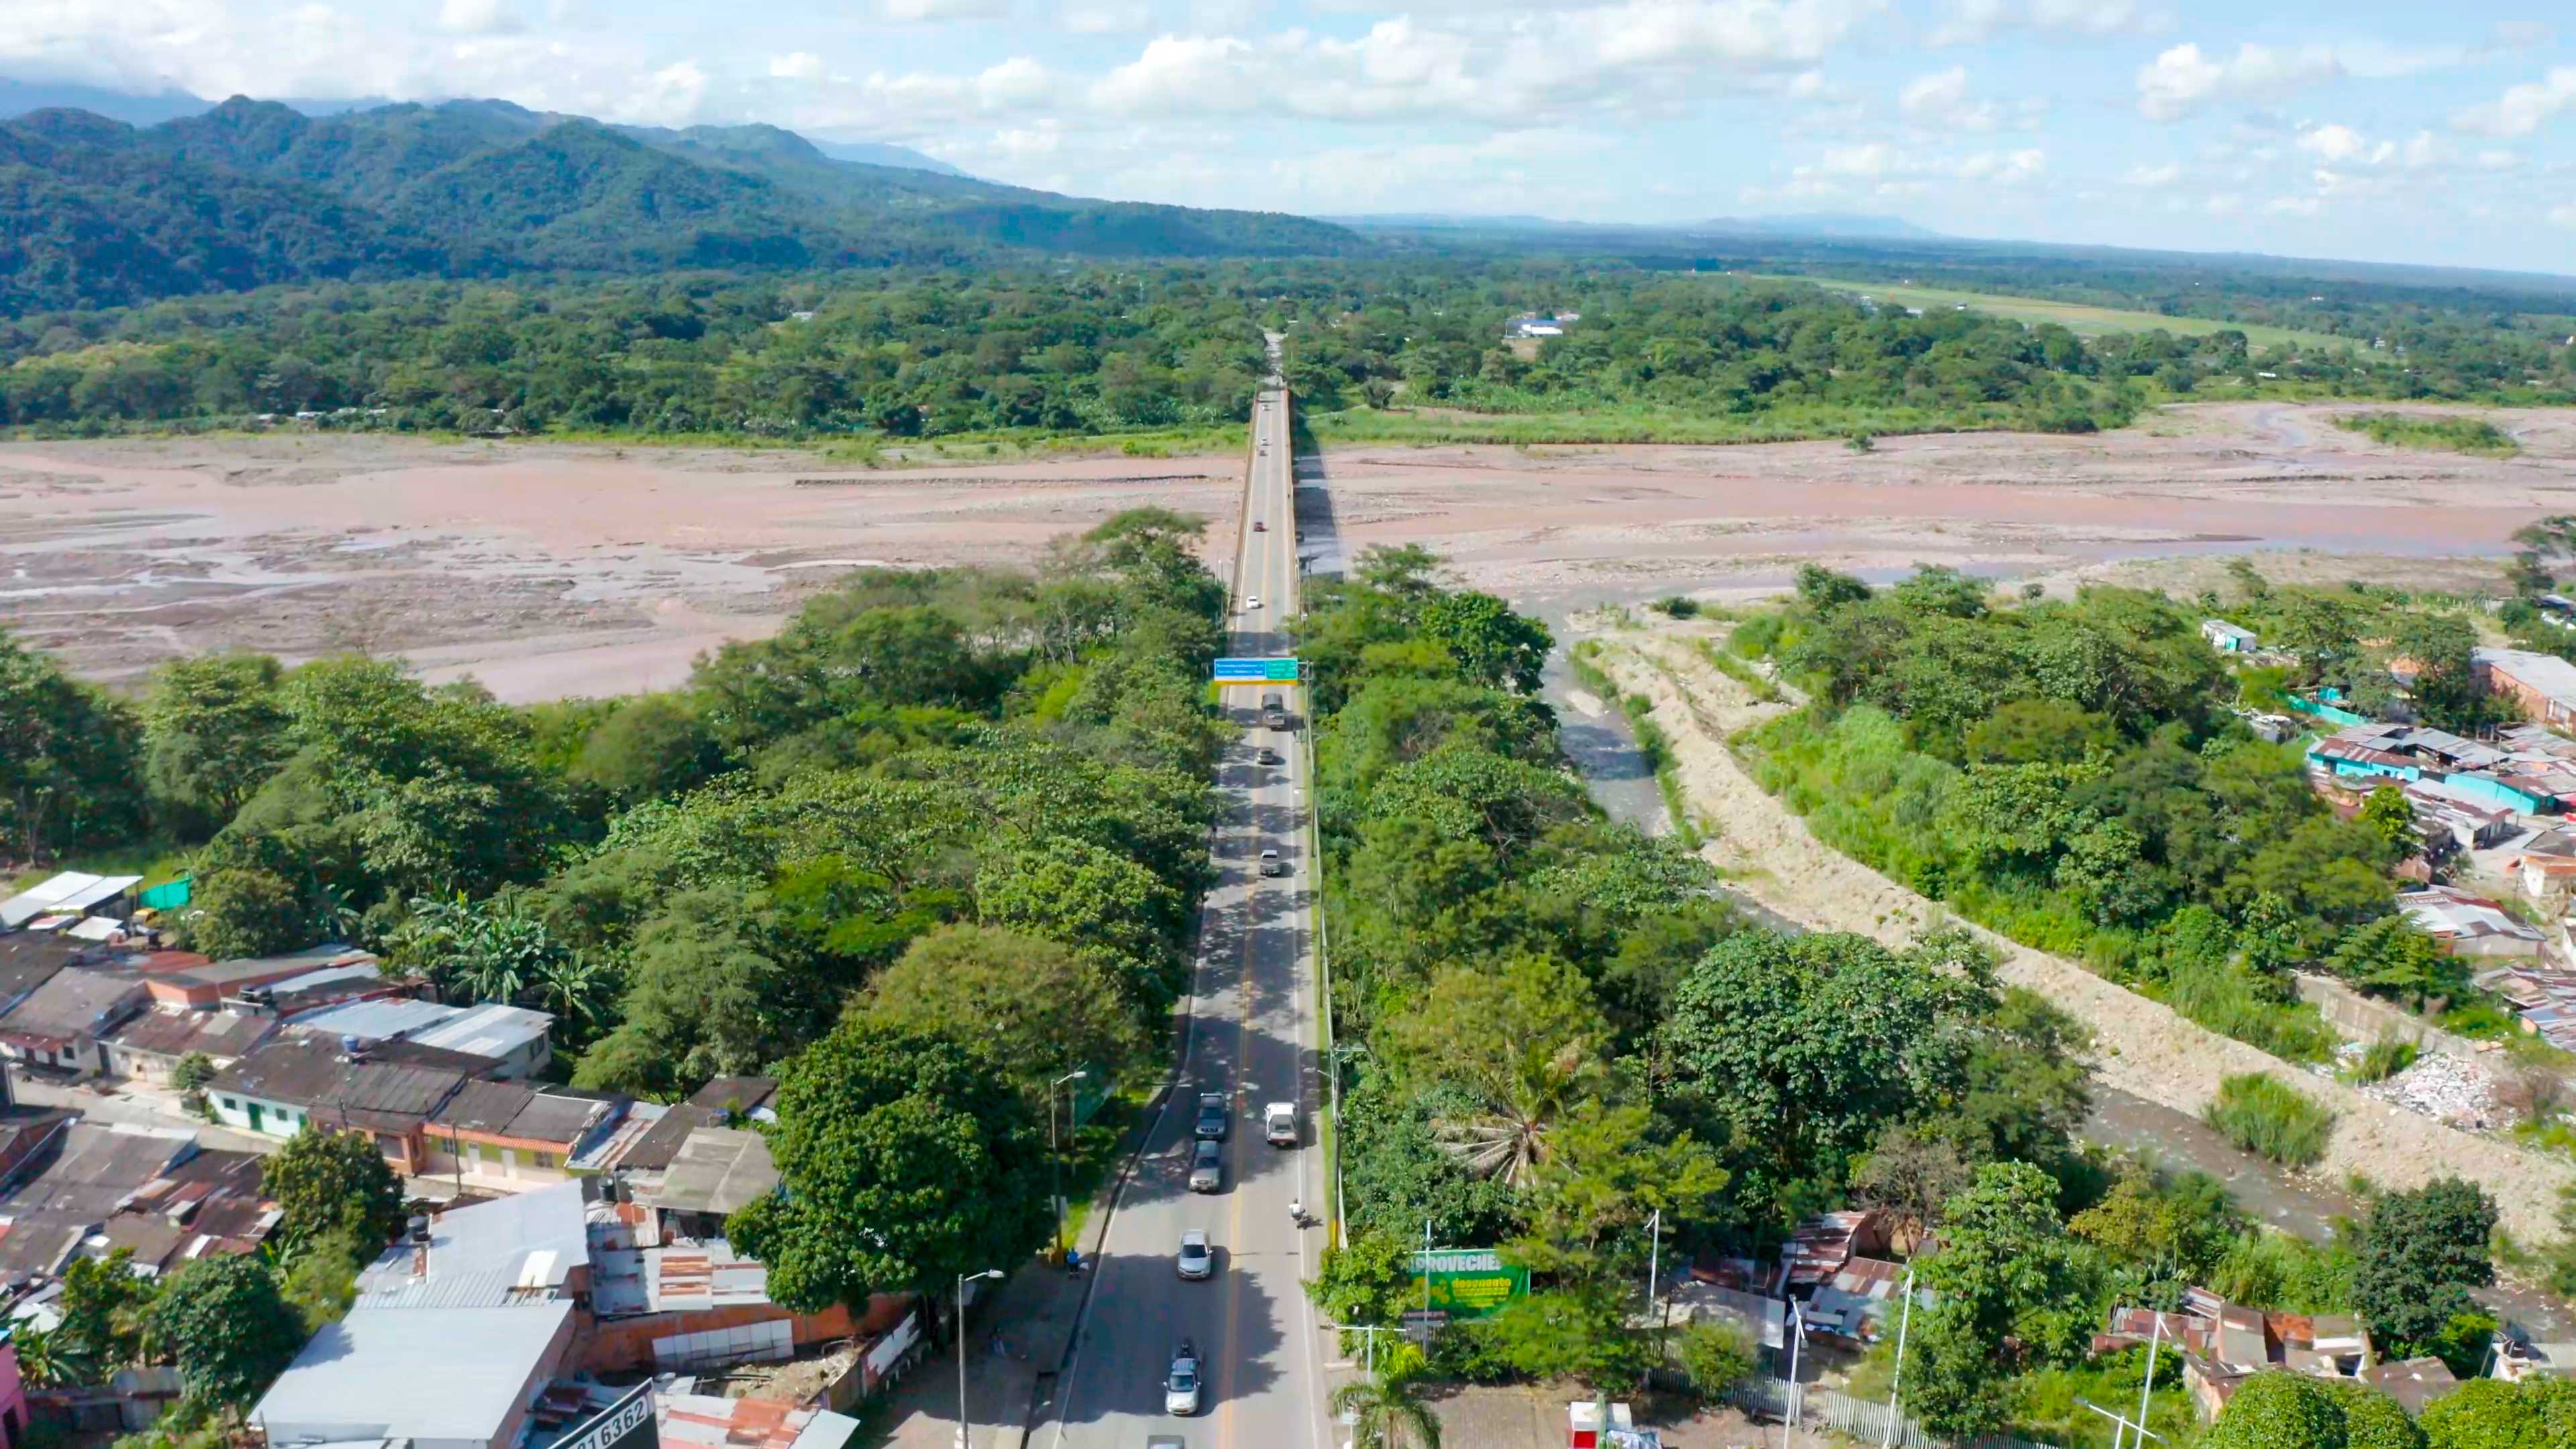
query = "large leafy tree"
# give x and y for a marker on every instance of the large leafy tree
(1805, 1046)
(2007, 1286)
(2491, 1414)
(214, 730)
(334, 1184)
(904, 1157)
(2422, 1250)
(1045, 1008)
(68, 759)
(228, 1328)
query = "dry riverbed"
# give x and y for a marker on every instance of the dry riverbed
(551, 569)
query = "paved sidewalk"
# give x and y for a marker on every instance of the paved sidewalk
(99, 1102)
(1034, 1317)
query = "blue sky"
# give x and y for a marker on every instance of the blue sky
(2365, 129)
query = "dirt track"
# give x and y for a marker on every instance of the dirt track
(2145, 1048)
(551, 569)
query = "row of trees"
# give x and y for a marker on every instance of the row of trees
(1702, 345)
(886, 354)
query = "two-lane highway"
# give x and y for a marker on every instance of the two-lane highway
(1250, 1035)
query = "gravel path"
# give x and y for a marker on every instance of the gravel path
(2145, 1049)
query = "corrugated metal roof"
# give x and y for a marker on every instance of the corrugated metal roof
(379, 1020)
(490, 1030)
(710, 1275)
(72, 891)
(430, 1373)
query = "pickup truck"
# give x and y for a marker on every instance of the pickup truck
(1279, 1124)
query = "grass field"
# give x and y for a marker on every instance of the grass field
(2073, 316)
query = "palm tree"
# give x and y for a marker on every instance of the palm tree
(1506, 1136)
(1386, 1414)
(47, 1359)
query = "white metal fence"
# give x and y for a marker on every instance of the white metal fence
(1863, 1419)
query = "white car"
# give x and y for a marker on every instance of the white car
(1181, 1385)
(1195, 1261)
(1252, 604)
(1279, 1124)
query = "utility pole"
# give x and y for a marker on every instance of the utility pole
(1426, 1275)
(1797, 1398)
(1904, 1320)
(1055, 1153)
(965, 1425)
(1654, 1265)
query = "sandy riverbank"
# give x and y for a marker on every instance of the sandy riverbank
(549, 569)
(2143, 1047)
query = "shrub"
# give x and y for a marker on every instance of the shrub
(2383, 1059)
(1678, 607)
(2270, 1119)
(1716, 1357)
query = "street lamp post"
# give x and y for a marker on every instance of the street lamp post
(1055, 1153)
(965, 1426)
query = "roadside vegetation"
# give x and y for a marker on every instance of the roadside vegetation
(934, 845)
(2415, 430)
(1556, 1043)
(2073, 775)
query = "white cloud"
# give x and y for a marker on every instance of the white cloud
(913, 11)
(2521, 109)
(1888, 166)
(1942, 99)
(2563, 216)
(1106, 17)
(798, 65)
(2182, 79)
(2295, 206)
(2524, 34)
(2335, 143)
(2153, 178)
(480, 17)
(2004, 168)
(1635, 57)
(1974, 21)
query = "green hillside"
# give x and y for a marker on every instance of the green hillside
(250, 194)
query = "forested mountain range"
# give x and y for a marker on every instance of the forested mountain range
(95, 212)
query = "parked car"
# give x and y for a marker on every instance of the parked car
(1195, 1261)
(1214, 1118)
(1207, 1167)
(1271, 864)
(1181, 1385)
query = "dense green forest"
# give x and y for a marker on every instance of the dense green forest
(1554, 1029)
(870, 359)
(251, 194)
(2075, 775)
(870, 355)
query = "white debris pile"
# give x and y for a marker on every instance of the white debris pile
(2441, 1086)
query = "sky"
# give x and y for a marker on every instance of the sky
(2363, 129)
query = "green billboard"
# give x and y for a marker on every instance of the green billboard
(1468, 1282)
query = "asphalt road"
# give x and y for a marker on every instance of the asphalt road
(1251, 1035)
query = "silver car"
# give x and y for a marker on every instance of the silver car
(1181, 1385)
(1207, 1166)
(1195, 1261)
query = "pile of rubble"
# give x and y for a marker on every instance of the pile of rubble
(2441, 1086)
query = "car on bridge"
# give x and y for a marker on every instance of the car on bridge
(1271, 864)
(1214, 1119)
(1196, 1261)
(1279, 1124)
